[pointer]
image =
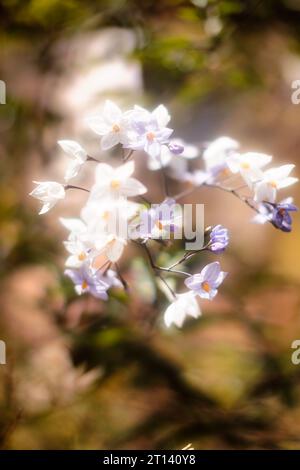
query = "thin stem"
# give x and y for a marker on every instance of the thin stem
(156, 269)
(144, 199)
(234, 192)
(128, 156)
(244, 199)
(125, 284)
(71, 186)
(89, 158)
(186, 257)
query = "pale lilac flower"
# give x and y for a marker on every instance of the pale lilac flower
(219, 239)
(272, 180)
(184, 305)
(111, 124)
(281, 215)
(77, 154)
(116, 182)
(159, 221)
(176, 148)
(86, 279)
(49, 192)
(148, 130)
(176, 163)
(277, 214)
(206, 283)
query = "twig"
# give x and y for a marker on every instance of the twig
(124, 282)
(92, 159)
(156, 269)
(128, 156)
(71, 186)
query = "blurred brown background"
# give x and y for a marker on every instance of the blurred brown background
(84, 374)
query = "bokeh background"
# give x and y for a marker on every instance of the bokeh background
(84, 374)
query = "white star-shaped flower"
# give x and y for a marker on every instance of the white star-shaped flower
(49, 192)
(78, 155)
(116, 182)
(248, 165)
(273, 180)
(184, 305)
(111, 124)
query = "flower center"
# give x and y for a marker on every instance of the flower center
(115, 184)
(150, 136)
(205, 286)
(105, 215)
(225, 172)
(245, 166)
(84, 284)
(116, 128)
(273, 184)
(81, 256)
(159, 225)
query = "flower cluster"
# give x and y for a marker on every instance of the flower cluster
(110, 218)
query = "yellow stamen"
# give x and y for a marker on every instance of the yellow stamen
(81, 256)
(150, 136)
(224, 173)
(116, 128)
(84, 284)
(273, 184)
(159, 225)
(205, 286)
(245, 166)
(115, 184)
(105, 215)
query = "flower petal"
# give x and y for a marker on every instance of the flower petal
(73, 149)
(111, 112)
(110, 140)
(161, 115)
(124, 171)
(211, 272)
(285, 182)
(132, 187)
(98, 125)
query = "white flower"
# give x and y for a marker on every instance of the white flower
(107, 224)
(148, 130)
(216, 153)
(248, 165)
(111, 246)
(78, 249)
(79, 253)
(77, 154)
(116, 182)
(272, 180)
(107, 217)
(75, 226)
(184, 305)
(111, 124)
(49, 192)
